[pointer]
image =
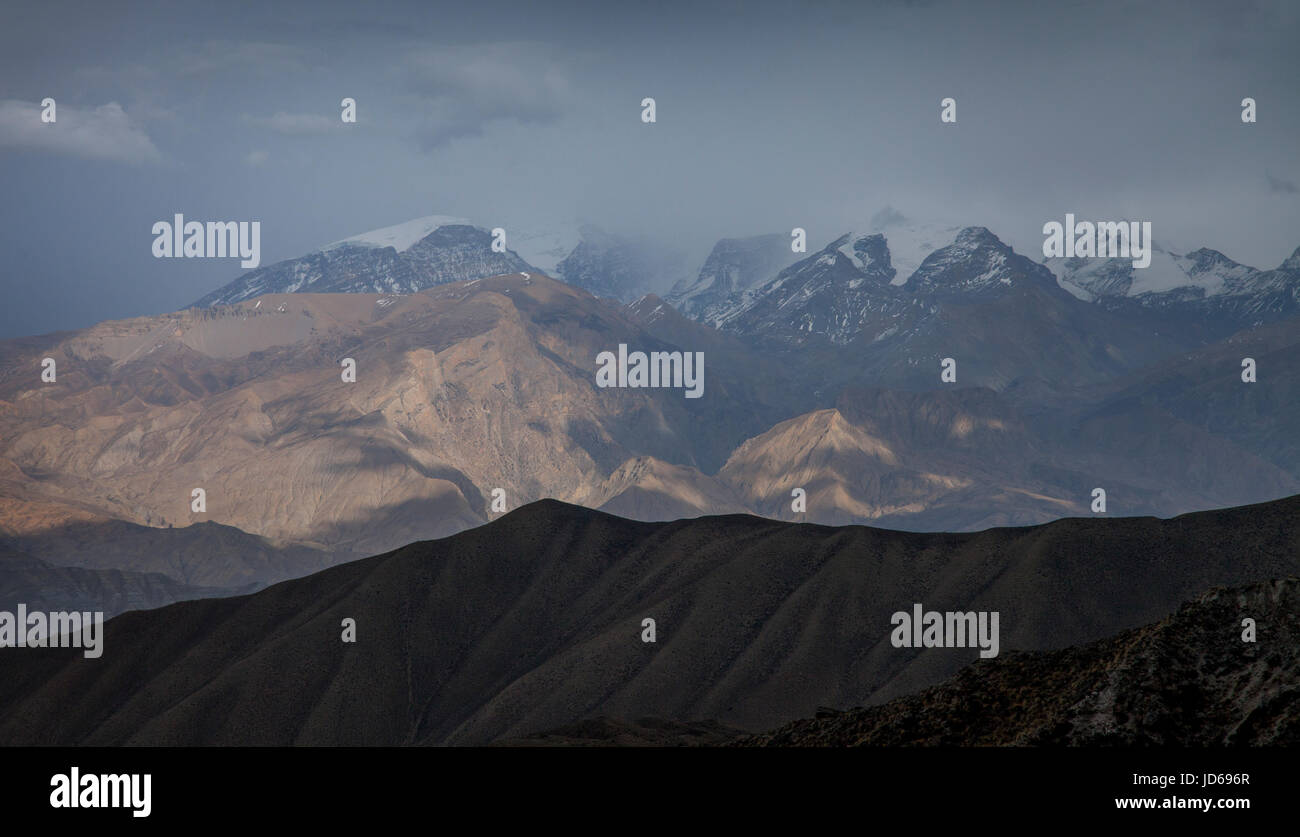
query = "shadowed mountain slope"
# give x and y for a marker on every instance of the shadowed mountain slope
(535, 621)
(1186, 681)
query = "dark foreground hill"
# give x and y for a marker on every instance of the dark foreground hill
(1189, 680)
(535, 621)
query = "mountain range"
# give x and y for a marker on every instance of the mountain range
(440, 249)
(897, 299)
(536, 621)
(866, 286)
(474, 395)
(488, 384)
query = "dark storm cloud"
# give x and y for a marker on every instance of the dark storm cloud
(463, 89)
(771, 115)
(1281, 187)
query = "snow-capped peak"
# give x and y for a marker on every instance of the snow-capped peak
(910, 242)
(1207, 271)
(400, 237)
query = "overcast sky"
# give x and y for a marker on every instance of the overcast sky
(770, 115)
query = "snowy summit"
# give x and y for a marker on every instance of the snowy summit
(400, 237)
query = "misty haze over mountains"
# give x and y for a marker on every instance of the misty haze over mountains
(742, 274)
(521, 115)
(710, 373)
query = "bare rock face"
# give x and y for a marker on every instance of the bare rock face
(1186, 681)
(967, 459)
(459, 391)
(477, 397)
(646, 488)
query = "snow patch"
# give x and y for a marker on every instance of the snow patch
(851, 254)
(1163, 274)
(400, 237)
(544, 249)
(909, 244)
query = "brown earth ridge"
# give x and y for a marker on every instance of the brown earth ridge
(468, 387)
(533, 622)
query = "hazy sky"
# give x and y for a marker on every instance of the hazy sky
(770, 115)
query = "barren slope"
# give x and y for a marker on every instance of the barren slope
(534, 622)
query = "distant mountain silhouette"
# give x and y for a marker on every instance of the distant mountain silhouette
(44, 587)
